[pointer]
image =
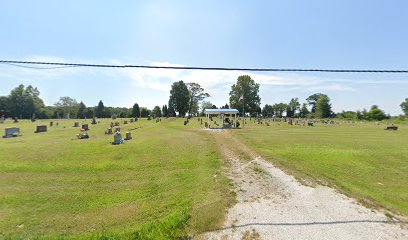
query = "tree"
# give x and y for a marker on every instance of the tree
(304, 111)
(312, 100)
(4, 106)
(225, 106)
(376, 114)
(24, 102)
(170, 111)
(267, 111)
(81, 110)
(279, 109)
(165, 111)
(197, 95)
(144, 112)
(293, 106)
(69, 107)
(156, 111)
(348, 115)
(100, 110)
(206, 105)
(323, 107)
(245, 94)
(404, 106)
(179, 98)
(135, 110)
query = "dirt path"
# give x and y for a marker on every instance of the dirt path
(274, 205)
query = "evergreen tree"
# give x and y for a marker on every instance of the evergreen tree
(100, 110)
(135, 110)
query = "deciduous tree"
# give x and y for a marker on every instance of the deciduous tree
(404, 106)
(245, 94)
(179, 98)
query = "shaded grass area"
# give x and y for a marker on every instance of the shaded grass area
(362, 160)
(159, 185)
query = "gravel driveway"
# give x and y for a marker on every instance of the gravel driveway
(274, 205)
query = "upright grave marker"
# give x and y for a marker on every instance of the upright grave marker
(12, 132)
(41, 128)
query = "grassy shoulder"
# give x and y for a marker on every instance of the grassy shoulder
(362, 160)
(161, 184)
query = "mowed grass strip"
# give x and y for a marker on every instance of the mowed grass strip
(53, 185)
(363, 160)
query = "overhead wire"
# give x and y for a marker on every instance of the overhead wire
(64, 65)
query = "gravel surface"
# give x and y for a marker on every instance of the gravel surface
(274, 205)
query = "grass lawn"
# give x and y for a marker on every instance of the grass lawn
(161, 184)
(363, 160)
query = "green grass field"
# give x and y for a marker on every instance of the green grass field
(160, 184)
(362, 160)
(166, 182)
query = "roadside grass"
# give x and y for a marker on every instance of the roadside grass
(159, 185)
(361, 160)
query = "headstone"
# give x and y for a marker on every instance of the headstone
(391, 127)
(51, 124)
(112, 124)
(108, 131)
(93, 121)
(128, 136)
(132, 120)
(76, 124)
(290, 121)
(114, 117)
(116, 123)
(125, 122)
(85, 127)
(135, 119)
(117, 129)
(16, 120)
(11, 132)
(41, 128)
(117, 138)
(2, 119)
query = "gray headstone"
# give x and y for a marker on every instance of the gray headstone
(11, 132)
(41, 128)
(117, 138)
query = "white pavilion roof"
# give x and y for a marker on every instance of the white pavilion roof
(220, 111)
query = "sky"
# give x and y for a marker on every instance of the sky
(342, 34)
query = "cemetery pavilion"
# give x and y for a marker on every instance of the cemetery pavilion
(221, 115)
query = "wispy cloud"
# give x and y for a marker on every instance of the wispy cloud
(214, 82)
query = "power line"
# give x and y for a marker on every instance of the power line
(200, 68)
(32, 67)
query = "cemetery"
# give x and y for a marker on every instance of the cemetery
(104, 147)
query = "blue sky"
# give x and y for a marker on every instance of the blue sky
(275, 34)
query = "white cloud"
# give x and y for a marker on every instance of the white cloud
(215, 82)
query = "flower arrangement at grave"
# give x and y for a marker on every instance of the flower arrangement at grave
(83, 134)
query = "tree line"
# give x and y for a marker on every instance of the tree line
(185, 99)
